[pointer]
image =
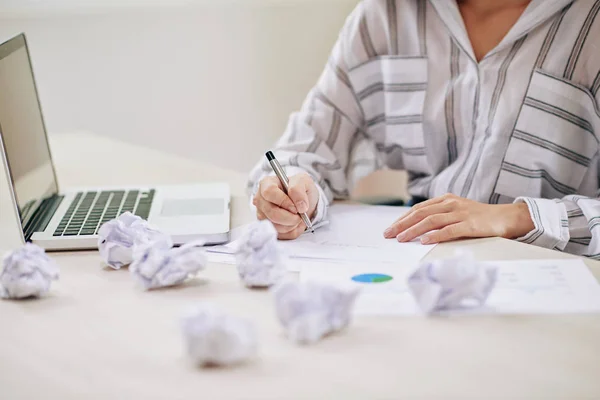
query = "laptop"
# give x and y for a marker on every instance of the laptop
(69, 220)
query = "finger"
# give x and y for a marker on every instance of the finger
(278, 228)
(286, 229)
(436, 221)
(435, 200)
(298, 191)
(417, 207)
(430, 202)
(299, 230)
(416, 217)
(260, 215)
(448, 233)
(271, 191)
(277, 214)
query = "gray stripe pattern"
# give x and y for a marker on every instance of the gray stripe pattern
(323, 98)
(535, 234)
(314, 145)
(581, 39)
(422, 26)
(550, 37)
(538, 174)
(392, 26)
(493, 108)
(596, 84)
(553, 147)
(543, 53)
(395, 120)
(583, 240)
(326, 166)
(366, 38)
(411, 151)
(335, 130)
(562, 114)
(391, 88)
(343, 77)
(593, 222)
(572, 84)
(575, 213)
(340, 73)
(449, 107)
(452, 185)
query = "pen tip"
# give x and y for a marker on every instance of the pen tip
(270, 155)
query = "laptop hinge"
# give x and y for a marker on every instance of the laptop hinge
(42, 216)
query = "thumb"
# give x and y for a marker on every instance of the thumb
(298, 191)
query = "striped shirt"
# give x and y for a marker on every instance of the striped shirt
(403, 90)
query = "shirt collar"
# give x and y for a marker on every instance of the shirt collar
(536, 13)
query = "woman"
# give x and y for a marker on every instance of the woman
(490, 106)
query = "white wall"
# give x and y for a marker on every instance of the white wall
(213, 80)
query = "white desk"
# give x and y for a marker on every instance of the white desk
(97, 336)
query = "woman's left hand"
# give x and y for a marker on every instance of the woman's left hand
(453, 217)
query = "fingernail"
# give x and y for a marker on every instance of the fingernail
(387, 233)
(401, 237)
(425, 240)
(302, 207)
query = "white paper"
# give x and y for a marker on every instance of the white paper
(354, 233)
(27, 272)
(228, 248)
(220, 258)
(523, 287)
(292, 264)
(119, 238)
(452, 283)
(310, 311)
(213, 337)
(155, 267)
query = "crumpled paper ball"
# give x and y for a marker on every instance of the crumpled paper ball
(213, 338)
(119, 238)
(454, 283)
(155, 266)
(260, 261)
(309, 311)
(27, 272)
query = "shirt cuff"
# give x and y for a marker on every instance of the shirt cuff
(320, 217)
(551, 223)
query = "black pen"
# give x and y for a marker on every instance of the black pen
(285, 183)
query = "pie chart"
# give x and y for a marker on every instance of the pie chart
(372, 278)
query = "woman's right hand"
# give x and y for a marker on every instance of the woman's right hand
(282, 209)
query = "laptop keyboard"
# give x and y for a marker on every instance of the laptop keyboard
(89, 210)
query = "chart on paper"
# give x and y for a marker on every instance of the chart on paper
(523, 287)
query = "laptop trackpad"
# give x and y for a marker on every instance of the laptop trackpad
(189, 207)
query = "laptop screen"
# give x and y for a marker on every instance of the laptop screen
(22, 129)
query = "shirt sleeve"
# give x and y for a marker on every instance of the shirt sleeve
(570, 224)
(322, 137)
